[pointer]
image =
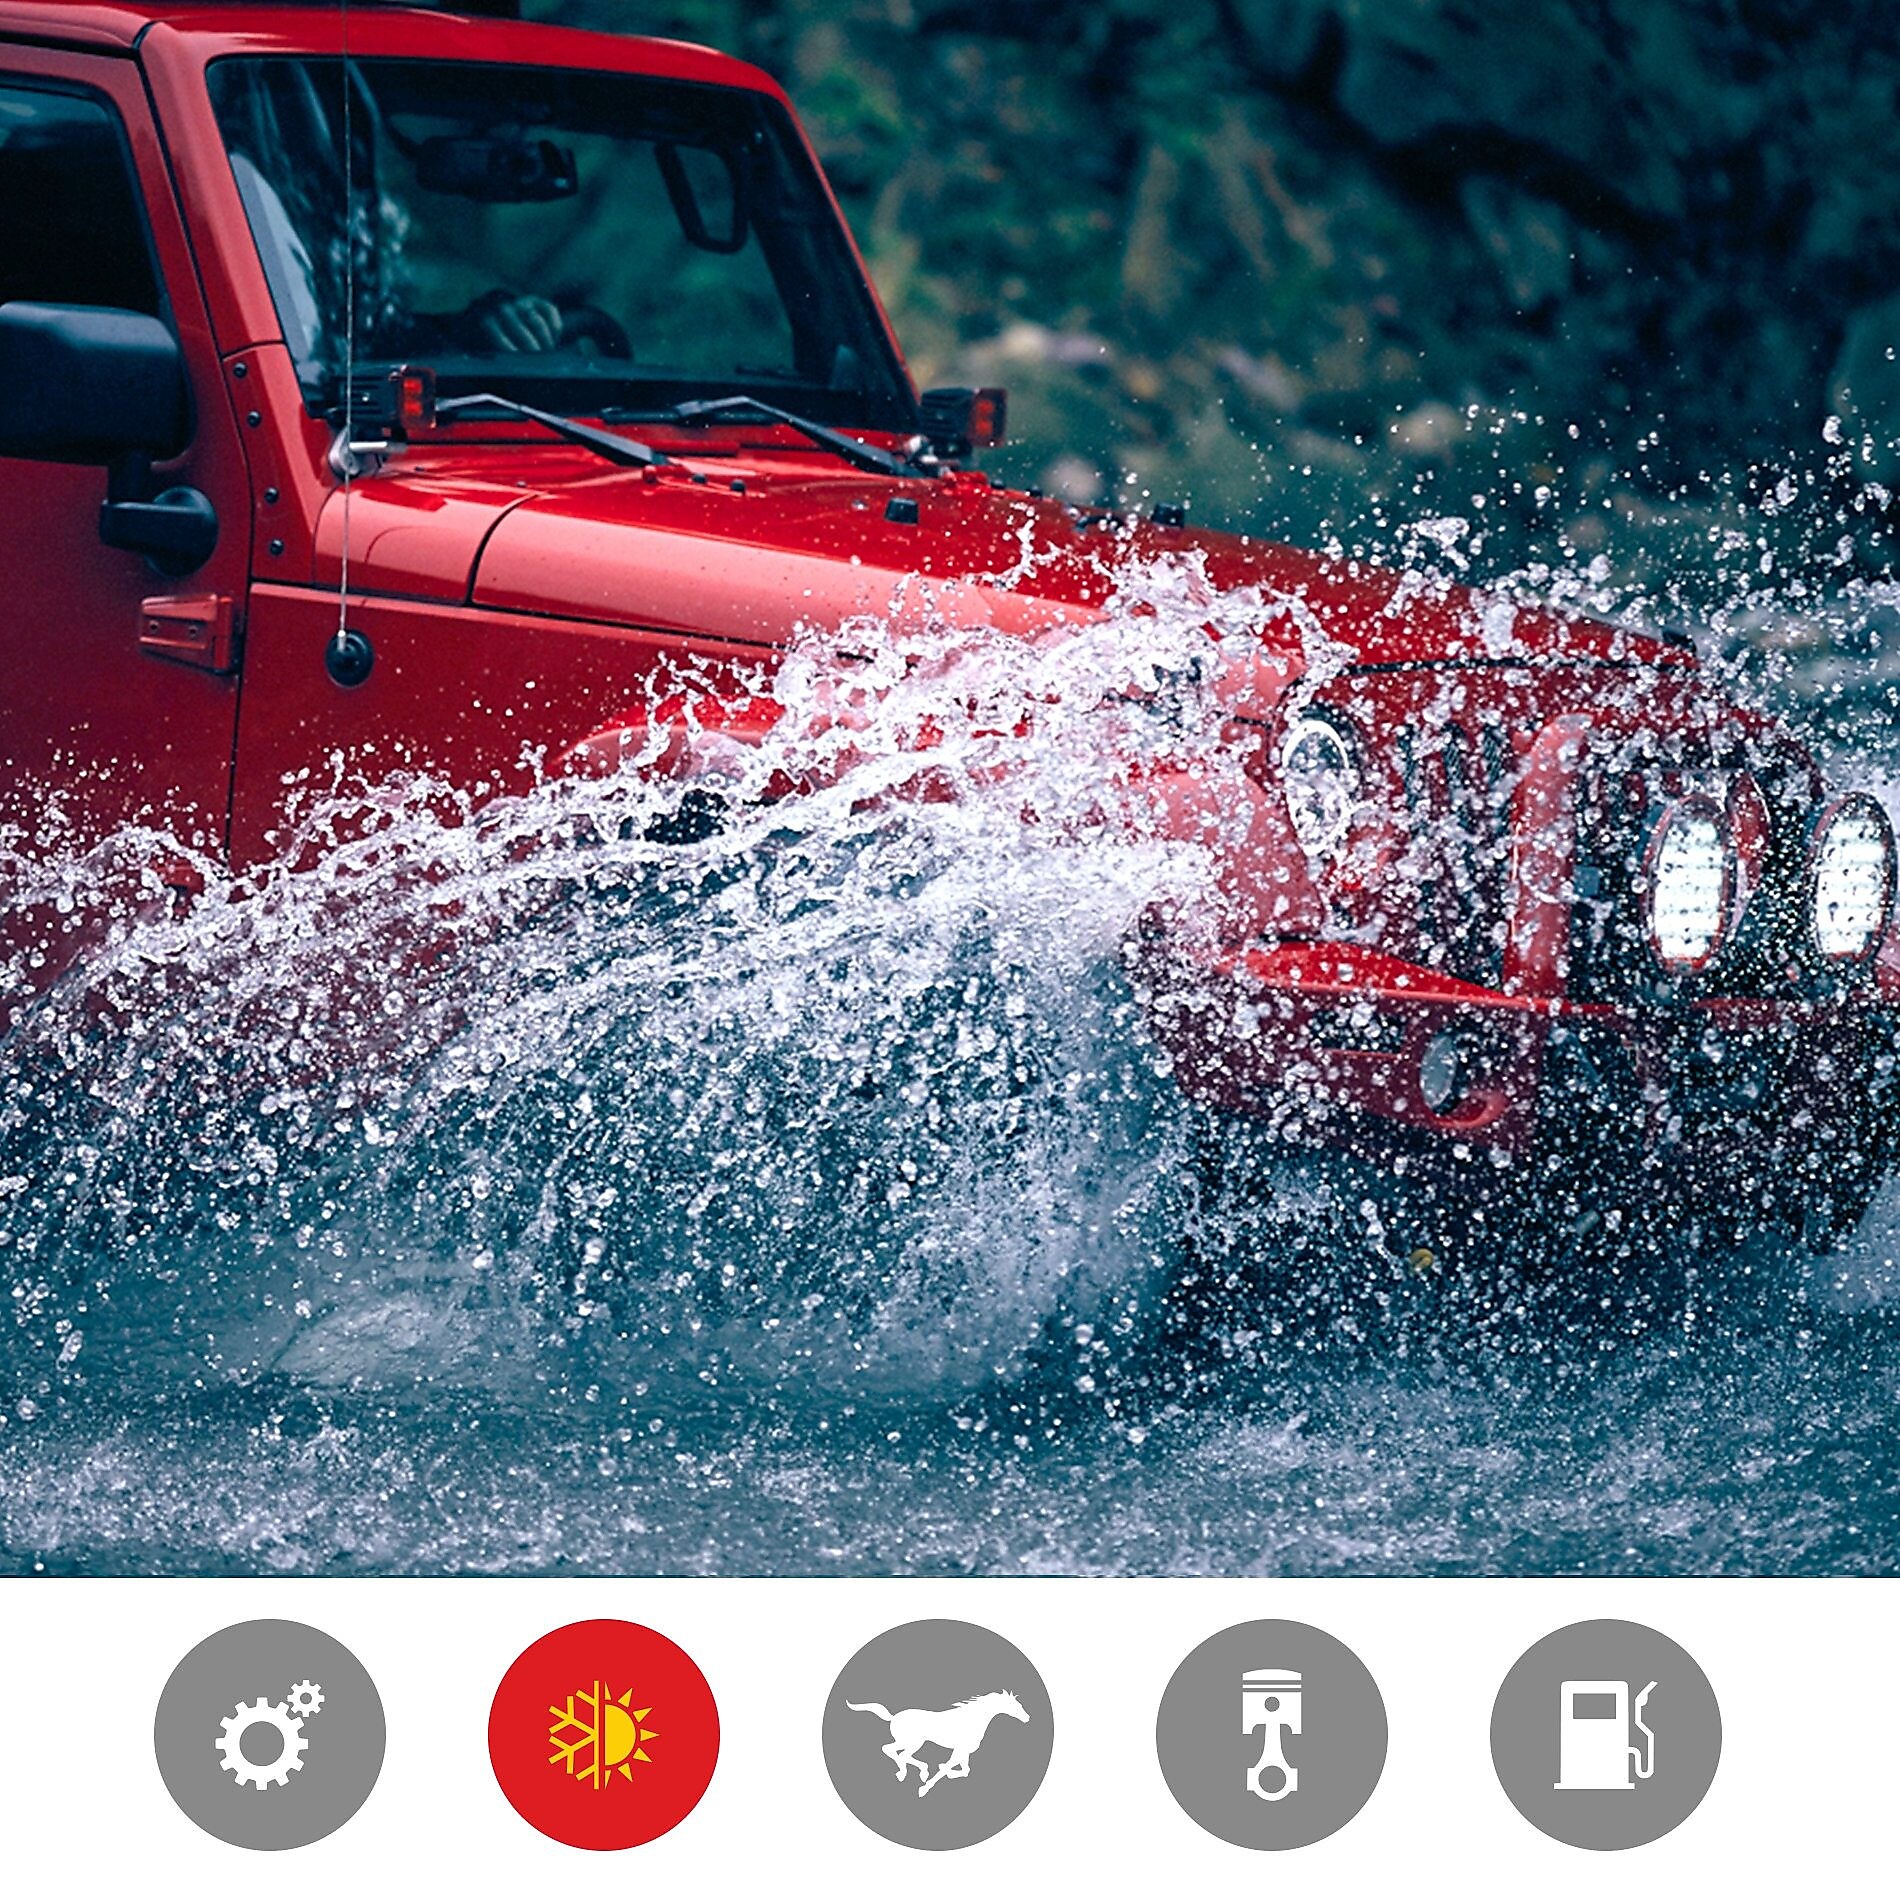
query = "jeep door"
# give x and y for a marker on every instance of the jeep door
(118, 686)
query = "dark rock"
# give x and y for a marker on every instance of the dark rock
(1506, 77)
(1285, 38)
(1529, 239)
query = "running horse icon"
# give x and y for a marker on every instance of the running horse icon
(959, 1729)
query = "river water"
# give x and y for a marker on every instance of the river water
(530, 1193)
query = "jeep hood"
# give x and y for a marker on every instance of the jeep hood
(752, 550)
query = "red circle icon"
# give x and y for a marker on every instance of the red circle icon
(603, 1734)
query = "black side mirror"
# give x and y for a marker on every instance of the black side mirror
(81, 383)
(106, 388)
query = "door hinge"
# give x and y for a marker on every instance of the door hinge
(196, 630)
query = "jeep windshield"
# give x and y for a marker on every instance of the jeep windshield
(579, 240)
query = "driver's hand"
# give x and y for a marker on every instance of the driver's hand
(507, 321)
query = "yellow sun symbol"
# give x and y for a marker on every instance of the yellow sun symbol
(598, 1735)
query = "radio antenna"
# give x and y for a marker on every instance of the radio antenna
(349, 310)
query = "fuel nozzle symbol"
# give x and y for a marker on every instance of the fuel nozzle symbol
(1594, 1749)
(1270, 1702)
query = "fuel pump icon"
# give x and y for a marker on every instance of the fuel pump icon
(1270, 1701)
(1594, 1749)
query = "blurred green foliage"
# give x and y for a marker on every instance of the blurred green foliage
(1591, 276)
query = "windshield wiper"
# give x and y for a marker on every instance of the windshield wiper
(862, 454)
(621, 449)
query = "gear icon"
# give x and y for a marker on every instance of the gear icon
(260, 1713)
(305, 1698)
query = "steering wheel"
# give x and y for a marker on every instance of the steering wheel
(588, 323)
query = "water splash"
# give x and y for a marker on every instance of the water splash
(576, 1180)
(845, 1086)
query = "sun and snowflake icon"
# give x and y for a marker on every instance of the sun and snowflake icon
(598, 1736)
(603, 1734)
(262, 1743)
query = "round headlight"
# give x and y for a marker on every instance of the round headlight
(1851, 879)
(1322, 782)
(1691, 884)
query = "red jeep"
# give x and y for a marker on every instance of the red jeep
(436, 392)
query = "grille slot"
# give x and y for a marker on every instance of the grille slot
(1608, 959)
(1457, 784)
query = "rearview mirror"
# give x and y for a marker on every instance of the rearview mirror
(497, 171)
(82, 383)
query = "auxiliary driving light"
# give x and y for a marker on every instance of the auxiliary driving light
(1851, 879)
(1691, 884)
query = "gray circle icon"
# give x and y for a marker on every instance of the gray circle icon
(1272, 1735)
(938, 1734)
(269, 1735)
(1606, 1735)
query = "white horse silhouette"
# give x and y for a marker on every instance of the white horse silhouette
(960, 1729)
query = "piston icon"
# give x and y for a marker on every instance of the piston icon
(1270, 1702)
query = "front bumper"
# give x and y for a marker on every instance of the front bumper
(1348, 1046)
